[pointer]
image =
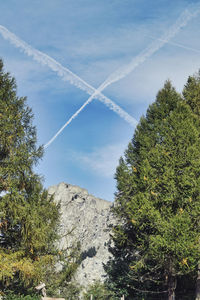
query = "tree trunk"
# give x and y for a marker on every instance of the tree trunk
(171, 282)
(171, 295)
(171, 288)
(198, 284)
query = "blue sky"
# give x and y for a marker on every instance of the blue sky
(94, 38)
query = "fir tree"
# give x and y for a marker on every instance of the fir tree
(28, 217)
(158, 203)
(191, 94)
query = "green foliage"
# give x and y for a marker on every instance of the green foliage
(191, 93)
(60, 282)
(71, 291)
(99, 292)
(12, 296)
(157, 202)
(28, 217)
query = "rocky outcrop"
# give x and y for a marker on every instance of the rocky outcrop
(89, 218)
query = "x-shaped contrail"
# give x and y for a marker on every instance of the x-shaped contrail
(66, 74)
(136, 61)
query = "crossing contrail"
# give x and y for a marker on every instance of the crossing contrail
(64, 73)
(67, 75)
(182, 21)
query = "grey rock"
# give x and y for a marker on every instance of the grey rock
(89, 218)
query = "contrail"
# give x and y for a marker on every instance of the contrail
(175, 44)
(64, 73)
(70, 120)
(92, 97)
(182, 21)
(67, 75)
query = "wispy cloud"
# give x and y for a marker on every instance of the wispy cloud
(102, 160)
(66, 75)
(140, 88)
(122, 72)
(181, 22)
(176, 44)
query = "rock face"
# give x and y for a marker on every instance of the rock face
(89, 217)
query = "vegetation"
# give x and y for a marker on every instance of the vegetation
(60, 282)
(28, 217)
(191, 94)
(156, 246)
(99, 292)
(12, 296)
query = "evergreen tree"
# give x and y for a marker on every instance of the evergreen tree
(28, 217)
(191, 94)
(157, 203)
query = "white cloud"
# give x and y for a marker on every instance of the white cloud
(142, 86)
(103, 161)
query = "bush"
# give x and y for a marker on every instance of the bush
(99, 292)
(12, 296)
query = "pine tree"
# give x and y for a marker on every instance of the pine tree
(158, 202)
(28, 217)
